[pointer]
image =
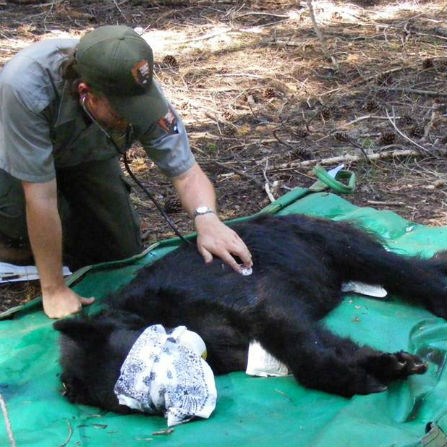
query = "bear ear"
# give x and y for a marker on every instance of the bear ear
(83, 329)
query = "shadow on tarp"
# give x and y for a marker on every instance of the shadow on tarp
(250, 411)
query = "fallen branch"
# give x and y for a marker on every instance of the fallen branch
(367, 117)
(119, 9)
(209, 35)
(385, 203)
(31, 2)
(362, 80)
(348, 159)
(358, 146)
(410, 90)
(238, 172)
(393, 123)
(267, 188)
(320, 34)
(263, 13)
(299, 150)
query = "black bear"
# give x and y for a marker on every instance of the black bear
(300, 265)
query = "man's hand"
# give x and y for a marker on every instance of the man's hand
(45, 233)
(216, 238)
(62, 302)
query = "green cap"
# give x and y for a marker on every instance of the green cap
(119, 63)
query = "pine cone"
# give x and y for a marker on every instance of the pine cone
(417, 131)
(171, 62)
(407, 120)
(371, 106)
(301, 133)
(326, 113)
(269, 93)
(427, 63)
(341, 136)
(387, 138)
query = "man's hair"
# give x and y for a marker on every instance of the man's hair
(71, 75)
(69, 72)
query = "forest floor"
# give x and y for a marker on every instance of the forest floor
(267, 93)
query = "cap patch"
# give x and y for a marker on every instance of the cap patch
(168, 123)
(142, 73)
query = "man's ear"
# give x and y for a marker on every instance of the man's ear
(83, 88)
(83, 329)
(85, 93)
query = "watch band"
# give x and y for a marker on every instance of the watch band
(201, 210)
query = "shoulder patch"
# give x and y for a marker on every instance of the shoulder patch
(168, 123)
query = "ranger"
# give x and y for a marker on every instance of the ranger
(69, 108)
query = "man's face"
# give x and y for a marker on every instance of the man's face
(101, 109)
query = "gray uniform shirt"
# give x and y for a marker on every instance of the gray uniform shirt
(42, 127)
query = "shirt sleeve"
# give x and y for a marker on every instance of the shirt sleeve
(25, 145)
(166, 143)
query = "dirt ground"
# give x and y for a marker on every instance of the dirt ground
(269, 90)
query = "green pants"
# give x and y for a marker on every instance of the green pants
(99, 222)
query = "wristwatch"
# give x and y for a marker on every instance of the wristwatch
(201, 210)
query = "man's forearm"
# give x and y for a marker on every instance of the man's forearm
(45, 233)
(195, 189)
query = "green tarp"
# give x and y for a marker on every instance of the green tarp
(250, 411)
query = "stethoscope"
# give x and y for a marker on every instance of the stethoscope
(128, 134)
(123, 151)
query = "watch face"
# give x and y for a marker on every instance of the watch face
(202, 209)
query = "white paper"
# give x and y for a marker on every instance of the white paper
(364, 289)
(14, 273)
(261, 363)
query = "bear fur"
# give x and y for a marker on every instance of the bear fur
(300, 265)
